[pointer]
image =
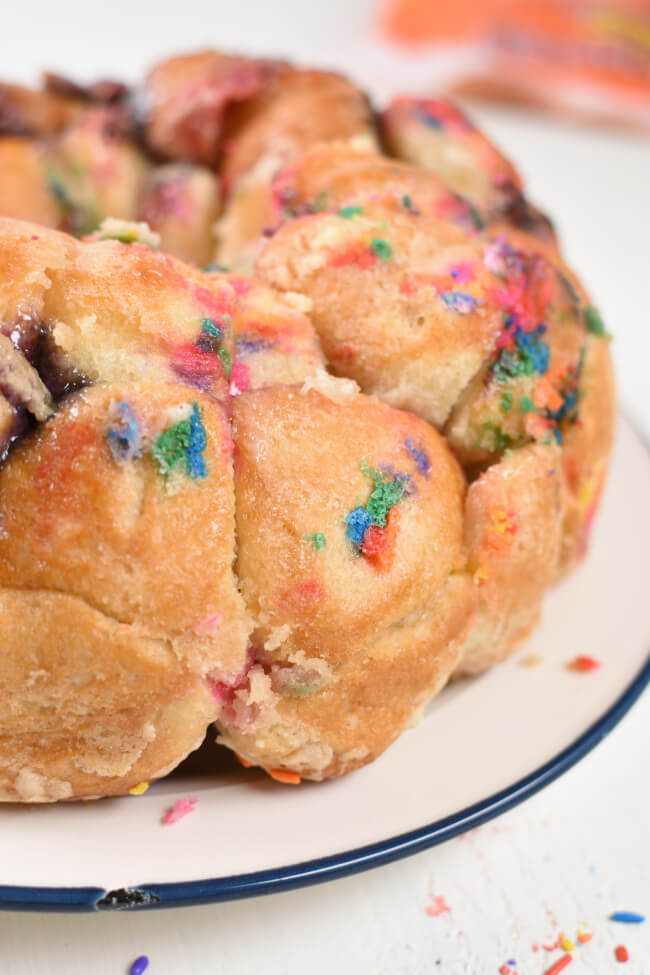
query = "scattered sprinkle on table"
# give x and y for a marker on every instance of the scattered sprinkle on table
(139, 789)
(531, 660)
(437, 905)
(180, 809)
(627, 917)
(621, 953)
(559, 965)
(139, 965)
(566, 943)
(583, 664)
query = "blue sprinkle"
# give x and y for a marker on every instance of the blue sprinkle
(410, 487)
(459, 301)
(210, 327)
(124, 437)
(139, 966)
(534, 350)
(252, 343)
(198, 442)
(419, 455)
(357, 522)
(627, 917)
(427, 118)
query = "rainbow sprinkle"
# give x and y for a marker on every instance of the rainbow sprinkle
(317, 539)
(459, 301)
(139, 966)
(419, 455)
(180, 809)
(139, 789)
(627, 917)
(381, 248)
(348, 213)
(369, 527)
(184, 441)
(593, 321)
(124, 436)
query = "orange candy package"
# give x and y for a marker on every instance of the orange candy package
(580, 57)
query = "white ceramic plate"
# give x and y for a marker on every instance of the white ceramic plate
(482, 746)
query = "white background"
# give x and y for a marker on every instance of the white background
(575, 852)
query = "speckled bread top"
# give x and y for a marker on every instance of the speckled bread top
(305, 425)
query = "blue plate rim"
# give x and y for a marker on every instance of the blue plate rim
(194, 892)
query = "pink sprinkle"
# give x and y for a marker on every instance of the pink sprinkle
(240, 378)
(180, 809)
(241, 285)
(437, 905)
(462, 273)
(35, 237)
(206, 626)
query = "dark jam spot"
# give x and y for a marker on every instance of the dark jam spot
(59, 377)
(31, 337)
(12, 120)
(106, 92)
(523, 215)
(14, 429)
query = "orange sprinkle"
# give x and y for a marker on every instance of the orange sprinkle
(583, 937)
(583, 664)
(284, 776)
(531, 660)
(379, 543)
(503, 528)
(243, 761)
(545, 395)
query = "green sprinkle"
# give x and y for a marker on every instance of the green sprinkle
(210, 327)
(381, 248)
(171, 447)
(322, 200)
(226, 361)
(348, 213)
(595, 324)
(386, 494)
(317, 539)
(526, 405)
(506, 402)
(493, 438)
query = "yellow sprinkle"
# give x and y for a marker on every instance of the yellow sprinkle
(139, 789)
(566, 943)
(480, 575)
(586, 493)
(531, 660)
(500, 521)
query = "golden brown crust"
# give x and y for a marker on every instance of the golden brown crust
(358, 617)
(298, 109)
(25, 192)
(513, 536)
(274, 339)
(181, 203)
(117, 514)
(436, 135)
(186, 97)
(367, 573)
(26, 112)
(375, 281)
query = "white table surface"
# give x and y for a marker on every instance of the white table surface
(577, 851)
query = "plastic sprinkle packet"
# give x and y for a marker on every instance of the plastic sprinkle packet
(582, 58)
